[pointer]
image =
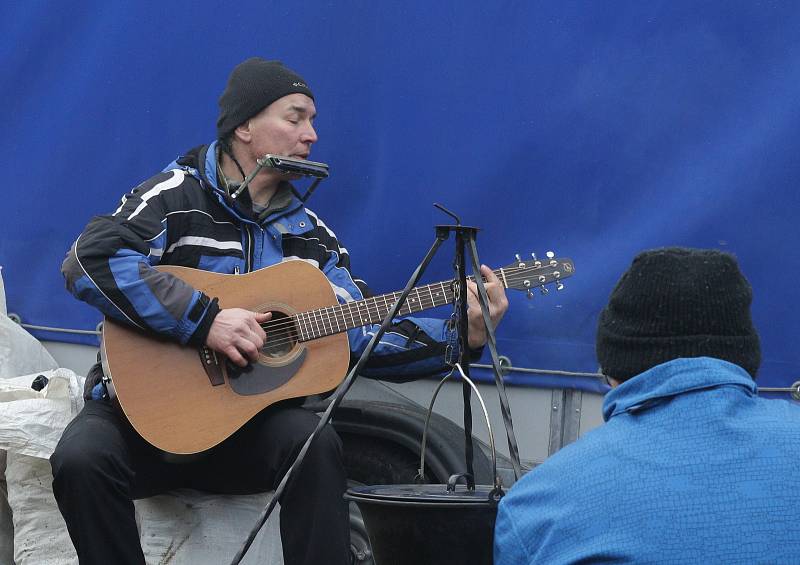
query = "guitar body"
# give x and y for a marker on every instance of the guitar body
(169, 396)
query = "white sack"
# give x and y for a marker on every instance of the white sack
(183, 527)
(3, 309)
(40, 534)
(187, 527)
(20, 352)
(31, 422)
(6, 527)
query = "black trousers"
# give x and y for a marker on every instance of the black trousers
(101, 465)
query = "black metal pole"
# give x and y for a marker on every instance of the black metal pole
(483, 299)
(463, 233)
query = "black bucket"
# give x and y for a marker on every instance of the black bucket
(428, 524)
(423, 524)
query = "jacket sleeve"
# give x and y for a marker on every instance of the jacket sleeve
(412, 347)
(110, 266)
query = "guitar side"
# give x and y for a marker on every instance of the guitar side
(163, 388)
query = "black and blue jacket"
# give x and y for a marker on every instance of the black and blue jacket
(182, 217)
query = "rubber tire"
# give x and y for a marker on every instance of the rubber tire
(372, 461)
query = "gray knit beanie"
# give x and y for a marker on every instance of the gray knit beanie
(253, 85)
(677, 302)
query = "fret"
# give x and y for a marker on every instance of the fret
(310, 329)
(326, 316)
(386, 306)
(336, 310)
(503, 277)
(317, 332)
(430, 291)
(304, 318)
(375, 318)
(444, 294)
(352, 318)
(363, 321)
(369, 302)
(404, 309)
(332, 318)
(297, 328)
(419, 299)
(319, 315)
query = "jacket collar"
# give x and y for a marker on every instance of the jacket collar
(671, 379)
(201, 163)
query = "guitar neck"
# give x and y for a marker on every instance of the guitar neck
(315, 324)
(523, 275)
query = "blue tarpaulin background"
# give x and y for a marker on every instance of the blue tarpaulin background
(595, 129)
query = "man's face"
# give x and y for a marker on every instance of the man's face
(285, 127)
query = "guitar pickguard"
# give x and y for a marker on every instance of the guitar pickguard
(258, 378)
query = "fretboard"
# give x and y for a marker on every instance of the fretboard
(315, 324)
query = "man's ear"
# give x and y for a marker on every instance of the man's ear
(242, 132)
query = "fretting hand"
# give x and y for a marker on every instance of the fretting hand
(237, 333)
(498, 304)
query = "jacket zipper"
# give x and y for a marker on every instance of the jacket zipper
(248, 265)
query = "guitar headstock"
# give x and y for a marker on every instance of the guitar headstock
(527, 274)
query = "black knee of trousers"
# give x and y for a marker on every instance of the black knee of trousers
(89, 451)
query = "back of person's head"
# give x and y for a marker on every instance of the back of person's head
(677, 302)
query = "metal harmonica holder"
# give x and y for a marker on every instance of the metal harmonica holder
(288, 165)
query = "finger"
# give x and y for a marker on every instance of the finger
(472, 293)
(254, 324)
(493, 285)
(262, 317)
(249, 349)
(489, 274)
(233, 354)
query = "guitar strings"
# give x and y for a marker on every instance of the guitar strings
(284, 330)
(320, 316)
(287, 326)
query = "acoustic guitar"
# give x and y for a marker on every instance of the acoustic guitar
(185, 400)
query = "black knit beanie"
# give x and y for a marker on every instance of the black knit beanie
(253, 85)
(677, 302)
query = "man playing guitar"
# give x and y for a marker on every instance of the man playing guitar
(196, 214)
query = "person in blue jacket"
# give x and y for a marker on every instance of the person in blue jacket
(691, 465)
(192, 214)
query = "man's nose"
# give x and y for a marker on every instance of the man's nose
(309, 135)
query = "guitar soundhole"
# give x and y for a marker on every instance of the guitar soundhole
(281, 335)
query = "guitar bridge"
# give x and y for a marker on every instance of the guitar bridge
(212, 366)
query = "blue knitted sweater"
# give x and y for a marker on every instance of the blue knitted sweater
(690, 467)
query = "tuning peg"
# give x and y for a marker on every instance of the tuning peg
(520, 263)
(559, 285)
(536, 261)
(529, 294)
(551, 256)
(544, 289)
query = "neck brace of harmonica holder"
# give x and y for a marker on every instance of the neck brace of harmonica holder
(287, 165)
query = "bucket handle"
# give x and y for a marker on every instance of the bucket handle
(453, 480)
(497, 492)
